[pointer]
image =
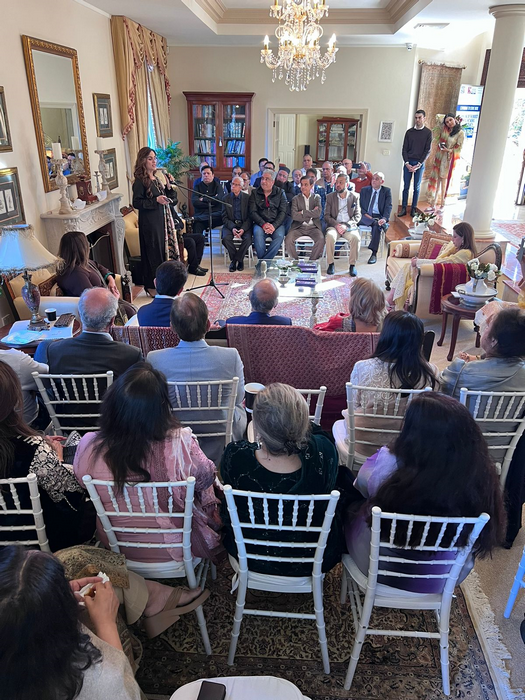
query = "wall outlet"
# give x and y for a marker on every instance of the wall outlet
(385, 152)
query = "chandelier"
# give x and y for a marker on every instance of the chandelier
(299, 58)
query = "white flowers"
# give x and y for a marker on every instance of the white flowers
(482, 271)
(493, 267)
(491, 275)
(474, 264)
(431, 222)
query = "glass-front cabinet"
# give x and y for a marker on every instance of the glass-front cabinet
(219, 130)
(336, 139)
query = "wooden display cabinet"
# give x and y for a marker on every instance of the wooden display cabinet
(336, 139)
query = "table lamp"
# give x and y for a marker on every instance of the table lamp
(21, 252)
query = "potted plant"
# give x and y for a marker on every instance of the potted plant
(173, 159)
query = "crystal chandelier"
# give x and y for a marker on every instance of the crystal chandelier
(299, 58)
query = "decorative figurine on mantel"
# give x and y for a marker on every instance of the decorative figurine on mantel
(84, 190)
(61, 179)
(97, 176)
(102, 164)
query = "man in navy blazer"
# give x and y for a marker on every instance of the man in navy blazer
(263, 298)
(170, 278)
(376, 207)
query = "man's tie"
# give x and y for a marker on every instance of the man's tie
(297, 189)
(372, 203)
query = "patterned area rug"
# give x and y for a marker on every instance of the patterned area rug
(513, 231)
(393, 668)
(236, 303)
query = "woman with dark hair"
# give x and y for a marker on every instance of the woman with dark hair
(157, 230)
(397, 363)
(461, 249)
(449, 136)
(427, 470)
(23, 451)
(76, 272)
(140, 439)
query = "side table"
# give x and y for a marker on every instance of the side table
(451, 305)
(30, 349)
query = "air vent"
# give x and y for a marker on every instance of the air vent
(431, 25)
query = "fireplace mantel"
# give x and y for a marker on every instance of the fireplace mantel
(90, 219)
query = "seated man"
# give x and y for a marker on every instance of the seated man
(246, 187)
(268, 211)
(327, 178)
(376, 207)
(93, 351)
(237, 225)
(262, 163)
(193, 360)
(348, 166)
(282, 181)
(363, 179)
(170, 279)
(306, 215)
(269, 165)
(296, 178)
(308, 164)
(236, 172)
(264, 298)
(212, 187)
(342, 214)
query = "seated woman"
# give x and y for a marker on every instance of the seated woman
(438, 465)
(140, 439)
(461, 249)
(287, 458)
(486, 313)
(39, 605)
(76, 272)
(23, 451)
(397, 363)
(367, 309)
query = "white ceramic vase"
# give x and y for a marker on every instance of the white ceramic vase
(475, 292)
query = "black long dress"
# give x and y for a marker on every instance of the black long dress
(152, 229)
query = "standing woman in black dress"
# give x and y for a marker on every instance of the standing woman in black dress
(157, 233)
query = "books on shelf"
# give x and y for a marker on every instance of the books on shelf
(205, 130)
(204, 111)
(204, 146)
(232, 162)
(234, 130)
(234, 148)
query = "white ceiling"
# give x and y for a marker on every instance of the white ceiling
(355, 22)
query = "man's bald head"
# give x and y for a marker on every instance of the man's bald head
(97, 308)
(264, 296)
(189, 317)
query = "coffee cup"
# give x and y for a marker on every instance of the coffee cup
(250, 392)
(51, 315)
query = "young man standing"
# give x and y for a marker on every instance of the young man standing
(416, 147)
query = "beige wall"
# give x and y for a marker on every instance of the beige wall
(471, 55)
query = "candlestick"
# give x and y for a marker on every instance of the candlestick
(100, 144)
(266, 42)
(57, 151)
(61, 180)
(103, 170)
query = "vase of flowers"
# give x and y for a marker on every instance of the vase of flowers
(423, 221)
(476, 292)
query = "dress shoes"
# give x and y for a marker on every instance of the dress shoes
(233, 266)
(240, 266)
(330, 270)
(352, 271)
(202, 269)
(197, 272)
(403, 211)
(372, 259)
(413, 211)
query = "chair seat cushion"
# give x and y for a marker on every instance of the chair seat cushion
(266, 582)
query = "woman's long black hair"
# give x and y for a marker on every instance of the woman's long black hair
(401, 346)
(444, 469)
(456, 126)
(135, 416)
(43, 652)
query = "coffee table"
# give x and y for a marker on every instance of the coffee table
(30, 348)
(451, 305)
(271, 269)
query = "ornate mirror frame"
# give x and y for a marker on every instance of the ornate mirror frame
(30, 44)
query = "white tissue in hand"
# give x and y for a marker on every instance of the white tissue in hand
(88, 587)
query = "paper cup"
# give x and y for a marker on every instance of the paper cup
(51, 315)
(250, 392)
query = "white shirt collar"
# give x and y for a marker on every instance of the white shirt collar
(108, 335)
(418, 128)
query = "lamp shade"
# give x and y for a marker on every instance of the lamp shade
(20, 250)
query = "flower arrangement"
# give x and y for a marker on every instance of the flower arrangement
(482, 271)
(421, 218)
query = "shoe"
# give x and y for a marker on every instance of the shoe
(330, 270)
(403, 211)
(233, 266)
(413, 211)
(352, 271)
(372, 259)
(240, 266)
(197, 272)
(156, 624)
(202, 269)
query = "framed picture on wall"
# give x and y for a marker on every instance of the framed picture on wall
(11, 207)
(386, 131)
(110, 158)
(5, 135)
(103, 117)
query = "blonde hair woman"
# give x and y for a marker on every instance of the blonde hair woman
(367, 309)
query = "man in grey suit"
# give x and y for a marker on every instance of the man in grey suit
(342, 214)
(306, 220)
(193, 360)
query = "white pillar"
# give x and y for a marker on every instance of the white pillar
(496, 113)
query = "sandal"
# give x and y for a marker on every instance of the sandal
(154, 625)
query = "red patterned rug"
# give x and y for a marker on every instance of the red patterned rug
(513, 231)
(334, 289)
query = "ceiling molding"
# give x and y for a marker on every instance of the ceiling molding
(353, 16)
(214, 8)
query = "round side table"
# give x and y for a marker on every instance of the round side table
(451, 305)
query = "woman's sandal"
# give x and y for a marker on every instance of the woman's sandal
(154, 625)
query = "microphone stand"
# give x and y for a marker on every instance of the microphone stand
(210, 199)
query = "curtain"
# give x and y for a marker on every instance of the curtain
(140, 61)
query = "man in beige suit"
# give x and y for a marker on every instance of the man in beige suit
(306, 215)
(342, 213)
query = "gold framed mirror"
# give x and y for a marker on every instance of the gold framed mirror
(58, 113)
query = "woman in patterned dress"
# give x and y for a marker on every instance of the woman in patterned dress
(449, 137)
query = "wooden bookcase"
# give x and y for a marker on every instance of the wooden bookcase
(336, 139)
(219, 130)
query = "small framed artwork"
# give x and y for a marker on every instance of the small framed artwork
(386, 131)
(11, 207)
(110, 158)
(5, 135)
(103, 117)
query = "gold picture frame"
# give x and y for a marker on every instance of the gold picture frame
(30, 45)
(6, 144)
(103, 116)
(11, 205)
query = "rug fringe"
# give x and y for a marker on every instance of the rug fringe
(490, 637)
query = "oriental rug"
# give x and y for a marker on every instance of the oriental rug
(335, 292)
(389, 668)
(513, 231)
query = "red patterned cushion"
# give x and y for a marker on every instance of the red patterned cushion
(429, 240)
(146, 338)
(435, 249)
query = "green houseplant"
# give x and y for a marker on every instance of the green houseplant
(173, 159)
